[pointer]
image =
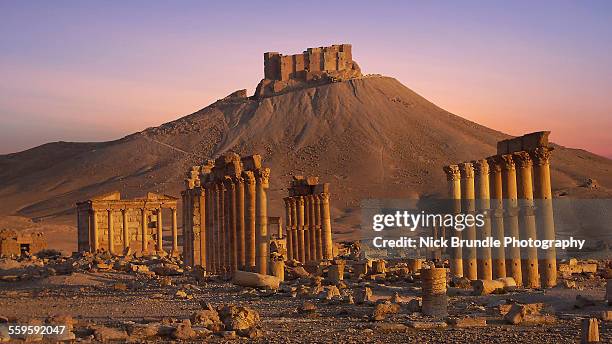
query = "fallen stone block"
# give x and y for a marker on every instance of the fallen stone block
(106, 334)
(427, 325)
(467, 322)
(255, 280)
(383, 309)
(486, 287)
(238, 318)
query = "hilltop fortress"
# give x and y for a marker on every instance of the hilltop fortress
(312, 67)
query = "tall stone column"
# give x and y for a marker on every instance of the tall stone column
(497, 215)
(249, 218)
(144, 231)
(544, 214)
(483, 205)
(111, 232)
(300, 228)
(453, 176)
(289, 224)
(319, 236)
(468, 206)
(217, 228)
(210, 236)
(95, 242)
(261, 209)
(240, 230)
(294, 228)
(126, 229)
(511, 224)
(225, 229)
(203, 237)
(174, 233)
(160, 230)
(312, 228)
(328, 244)
(307, 228)
(231, 222)
(527, 220)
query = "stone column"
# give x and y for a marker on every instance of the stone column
(95, 231)
(249, 219)
(261, 209)
(328, 244)
(160, 230)
(203, 237)
(483, 205)
(144, 231)
(468, 206)
(497, 215)
(300, 228)
(527, 221)
(225, 228)
(544, 214)
(513, 263)
(217, 228)
(289, 224)
(435, 300)
(312, 228)
(307, 228)
(126, 229)
(111, 232)
(319, 236)
(175, 250)
(231, 222)
(210, 235)
(453, 176)
(294, 228)
(240, 230)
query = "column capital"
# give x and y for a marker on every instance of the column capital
(541, 155)
(249, 177)
(238, 180)
(466, 170)
(481, 167)
(262, 176)
(287, 201)
(324, 196)
(452, 172)
(522, 159)
(228, 182)
(317, 199)
(299, 200)
(494, 163)
(507, 162)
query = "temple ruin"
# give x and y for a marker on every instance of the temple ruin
(109, 223)
(225, 211)
(13, 243)
(513, 190)
(309, 232)
(322, 64)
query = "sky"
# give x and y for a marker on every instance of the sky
(100, 70)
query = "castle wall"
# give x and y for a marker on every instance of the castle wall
(313, 60)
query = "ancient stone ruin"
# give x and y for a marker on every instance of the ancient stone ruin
(513, 189)
(110, 223)
(225, 211)
(314, 65)
(17, 244)
(309, 233)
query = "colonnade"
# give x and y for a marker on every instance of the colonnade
(225, 215)
(308, 218)
(513, 190)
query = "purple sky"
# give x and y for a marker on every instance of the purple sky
(88, 71)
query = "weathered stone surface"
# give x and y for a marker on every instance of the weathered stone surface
(208, 318)
(183, 331)
(255, 280)
(238, 318)
(383, 309)
(363, 295)
(466, 322)
(427, 325)
(105, 334)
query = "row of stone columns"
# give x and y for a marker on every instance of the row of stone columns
(308, 218)
(505, 188)
(144, 233)
(226, 215)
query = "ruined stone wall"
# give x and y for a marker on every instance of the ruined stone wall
(11, 241)
(302, 66)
